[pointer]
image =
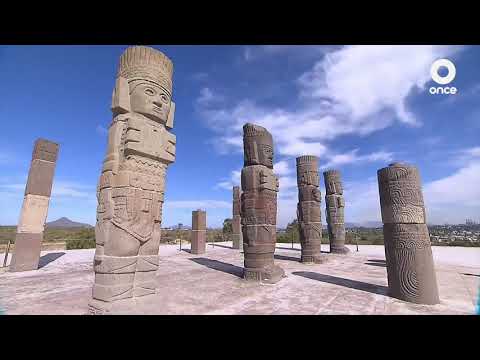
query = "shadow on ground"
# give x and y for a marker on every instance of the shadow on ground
(374, 262)
(48, 258)
(222, 246)
(471, 275)
(352, 284)
(288, 248)
(187, 250)
(220, 266)
(288, 258)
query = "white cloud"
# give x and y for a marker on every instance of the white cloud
(72, 190)
(352, 158)
(198, 204)
(247, 54)
(353, 90)
(258, 52)
(233, 180)
(200, 76)
(101, 130)
(365, 80)
(282, 168)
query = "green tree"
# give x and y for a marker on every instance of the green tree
(227, 226)
(293, 231)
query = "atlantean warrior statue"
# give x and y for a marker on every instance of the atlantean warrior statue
(335, 209)
(308, 208)
(28, 240)
(236, 221)
(259, 206)
(410, 268)
(132, 183)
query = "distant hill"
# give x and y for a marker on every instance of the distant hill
(66, 223)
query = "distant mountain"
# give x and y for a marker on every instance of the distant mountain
(66, 223)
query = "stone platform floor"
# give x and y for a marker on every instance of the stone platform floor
(211, 284)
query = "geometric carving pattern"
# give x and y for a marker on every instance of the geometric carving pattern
(308, 208)
(335, 207)
(131, 187)
(410, 268)
(258, 206)
(237, 241)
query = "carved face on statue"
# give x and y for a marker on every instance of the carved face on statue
(258, 146)
(150, 100)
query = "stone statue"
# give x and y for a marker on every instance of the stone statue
(335, 206)
(308, 208)
(236, 221)
(28, 240)
(199, 232)
(131, 187)
(410, 268)
(259, 206)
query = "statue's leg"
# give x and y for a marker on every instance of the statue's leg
(115, 264)
(147, 266)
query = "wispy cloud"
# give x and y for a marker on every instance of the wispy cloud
(198, 204)
(355, 90)
(101, 130)
(230, 182)
(352, 158)
(200, 76)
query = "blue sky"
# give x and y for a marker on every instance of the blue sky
(356, 107)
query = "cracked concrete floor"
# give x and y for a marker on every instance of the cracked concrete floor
(211, 284)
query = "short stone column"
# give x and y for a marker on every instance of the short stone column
(28, 240)
(410, 268)
(199, 232)
(237, 220)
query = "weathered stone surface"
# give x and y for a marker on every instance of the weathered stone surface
(335, 205)
(237, 238)
(34, 212)
(401, 197)
(131, 187)
(45, 150)
(199, 232)
(308, 208)
(27, 251)
(410, 268)
(33, 215)
(259, 206)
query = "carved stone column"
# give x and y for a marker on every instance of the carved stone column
(28, 240)
(410, 268)
(308, 208)
(199, 232)
(259, 206)
(237, 219)
(131, 187)
(335, 207)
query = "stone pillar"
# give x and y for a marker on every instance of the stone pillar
(308, 208)
(259, 206)
(199, 232)
(28, 240)
(131, 187)
(410, 268)
(335, 206)
(237, 219)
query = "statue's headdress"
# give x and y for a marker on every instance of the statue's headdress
(142, 62)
